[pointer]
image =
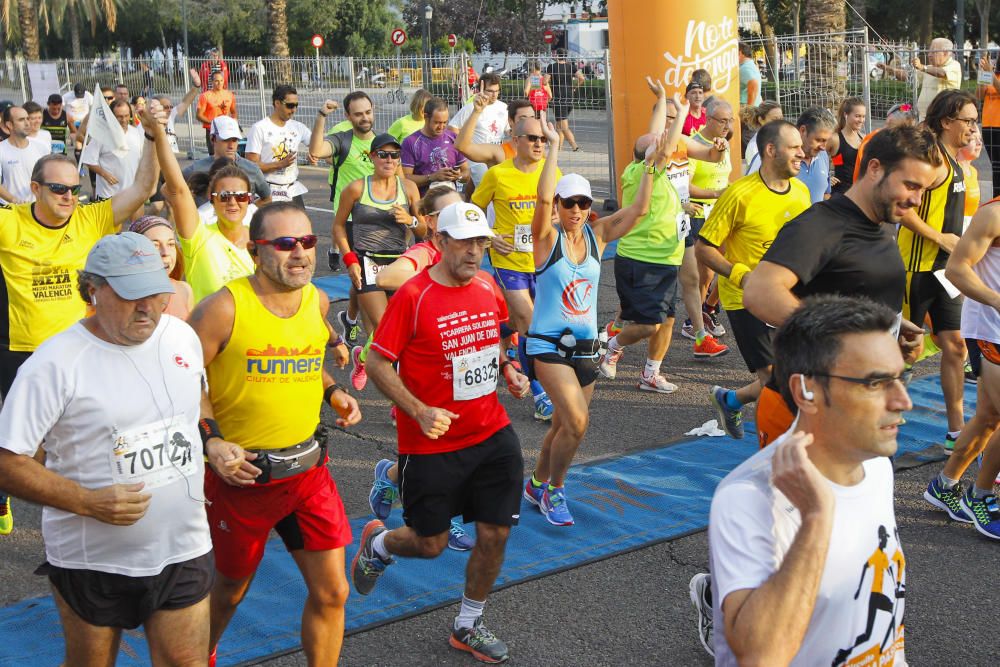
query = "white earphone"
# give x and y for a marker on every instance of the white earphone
(93, 299)
(806, 394)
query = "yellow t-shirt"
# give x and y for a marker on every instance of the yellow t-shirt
(745, 220)
(404, 127)
(211, 260)
(266, 386)
(513, 194)
(38, 266)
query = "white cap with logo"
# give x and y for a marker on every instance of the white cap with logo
(464, 221)
(225, 128)
(573, 185)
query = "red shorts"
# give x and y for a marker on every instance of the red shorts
(990, 352)
(305, 510)
(773, 417)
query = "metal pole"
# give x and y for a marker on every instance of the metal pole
(866, 78)
(611, 203)
(778, 56)
(350, 68)
(317, 67)
(260, 87)
(20, 76)
(190, 116)
(66, 68)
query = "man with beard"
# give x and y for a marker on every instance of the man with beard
(264, 338)
(816, 125)
(430, 156)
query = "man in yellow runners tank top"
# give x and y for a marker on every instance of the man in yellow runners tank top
(926, 238)
(264, 338)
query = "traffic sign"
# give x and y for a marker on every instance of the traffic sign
(549, 36)
(398, 37)
(317, 41)
(452, 40)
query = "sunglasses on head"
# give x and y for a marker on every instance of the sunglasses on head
(291, 105)
(61, 189)
(288, 243)
(387, 155)
(534, 138)
(224, 196)
(581, 202)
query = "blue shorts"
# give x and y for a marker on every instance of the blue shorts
(696, 225)
(510, 279)
(646, 291)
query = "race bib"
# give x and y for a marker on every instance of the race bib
(523, 240)
(287, 192)
(985, 77)
(475, 374)
(157, 453)
(371, 269)
(683, 225)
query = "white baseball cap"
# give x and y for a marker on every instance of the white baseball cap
(226, 127)
(463, 221)
(573, 185)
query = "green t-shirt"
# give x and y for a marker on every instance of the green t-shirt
(404, 127)
(654, 237)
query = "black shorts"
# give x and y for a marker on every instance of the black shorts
(561, 110)
(753, 337)
(371, 263)
(696, 225)
(10, 361)
(585, 368)
(925, 295)
(646, 291)
(481, 482)
(121, 601)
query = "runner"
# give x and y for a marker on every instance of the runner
(18, 155)
(273, 143)
(56, 123)
(490, 122)
(272, 325)
(179, 110)
(404, 126)
(990, 97)
(161, 232)
(115, 170)
(743, 224)
(35, 131)
(215, 102)
(370, 230)
(116, 399)
(490, 154)
(844, 143)
(457, 449)
(537, 89)
(816, 126)
(429, 155)
(565, 79)
(562, 339)
(752, 119)
(698, 115)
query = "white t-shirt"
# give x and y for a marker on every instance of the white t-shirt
(122, 167)
(490, 128)
(752, 526)
(78, 108)
(45, 137)
(16, 165)
(274, 142)
(101, 410)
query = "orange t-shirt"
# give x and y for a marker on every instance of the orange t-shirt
(861, 150)
(991, 108)
(213, 103)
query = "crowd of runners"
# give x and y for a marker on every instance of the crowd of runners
(177, 307)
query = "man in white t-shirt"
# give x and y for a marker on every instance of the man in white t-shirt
(491, 124)
(78, 104)
(116, 398)
(806, 563)
(273, 143)
(115, 170)
(18, 155)
(35, 130)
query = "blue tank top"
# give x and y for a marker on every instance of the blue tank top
(566, 297)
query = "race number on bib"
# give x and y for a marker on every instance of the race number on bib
(157, 453)
(371, 270)
(475, 374)
(683, 225)
(523, 240)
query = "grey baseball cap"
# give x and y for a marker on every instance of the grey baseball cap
(131, 264)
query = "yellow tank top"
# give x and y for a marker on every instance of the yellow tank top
(266, 386)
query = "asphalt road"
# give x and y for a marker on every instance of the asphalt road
(631, 609)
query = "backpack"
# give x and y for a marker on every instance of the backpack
(342, 144)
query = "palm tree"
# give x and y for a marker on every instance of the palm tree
(826, 17)
(55, 14)
(277, 30)
(27, 19)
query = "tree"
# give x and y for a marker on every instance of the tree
(277, 37)
(767, 31)
(826, 17)
(983, 8)
(501, 25)
(27, 22)
(56, 14)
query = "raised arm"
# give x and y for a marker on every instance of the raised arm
(192, 93)
(489, 154)
(319, 147)
(658, 121)
(126, 202)
(544, 235)
(621, 222)
(175, 189)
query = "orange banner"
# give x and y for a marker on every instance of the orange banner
(668, 40)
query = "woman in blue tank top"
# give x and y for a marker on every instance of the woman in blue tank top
(562, 340)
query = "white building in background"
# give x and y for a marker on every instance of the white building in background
(746, 17)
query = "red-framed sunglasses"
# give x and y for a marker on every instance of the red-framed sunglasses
(288, 243)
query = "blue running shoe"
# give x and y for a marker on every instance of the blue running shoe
(949, 500)
(553, 506)
(533, 494)
(458, 539)
(367, 565)
(384, 492)
(730, 421)
(984, 512)
(543, 407)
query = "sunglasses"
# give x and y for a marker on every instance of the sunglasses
(61, 189)
(288, 243)
(580, 202)
(224, 196)
(109, 99)
(387, 155)
(534, 138)
(291, 105)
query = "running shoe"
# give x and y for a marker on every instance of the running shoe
(609, 363)
(949, 500)
(657, 383)
(480, 642)
(984, 512)
(533, 494)
(700, 588)
(949, 444)
(970, 375)
(367, 565)
(350, 332)
(730, 420)
(712, 323)
(384, 492)
(709, 347)
(543, 407)
(359, 376)
(612, 330)
(553, 506)
(458, 539)
(6, 515)
(687, 330)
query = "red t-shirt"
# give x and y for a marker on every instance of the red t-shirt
(539, 99)
(422, 255)
(437, 333)
(694, 123)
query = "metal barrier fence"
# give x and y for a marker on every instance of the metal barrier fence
(389, 81)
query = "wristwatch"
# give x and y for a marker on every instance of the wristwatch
(414, 223)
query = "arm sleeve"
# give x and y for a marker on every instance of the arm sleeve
(397, 324)
(740, 539)
(255, 139)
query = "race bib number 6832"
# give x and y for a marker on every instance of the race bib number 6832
(475, 374)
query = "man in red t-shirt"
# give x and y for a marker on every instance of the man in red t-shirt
(458, 453)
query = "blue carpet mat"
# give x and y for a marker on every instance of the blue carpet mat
(620, 504)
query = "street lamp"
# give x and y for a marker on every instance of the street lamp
(428, 15)
(565, 43)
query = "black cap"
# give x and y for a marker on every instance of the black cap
(384, 140)
(79, 90)
(694, 84)
(55, 98)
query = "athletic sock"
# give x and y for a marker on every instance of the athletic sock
(699, 336)
(954, 434)
(614, 346)
(536, 388)
(526, 367)
(378, 546)
(981, 493)
(347, 315)
(363, 357)
(652, 368)
(732, 402)
(535, 483)
(470, 611)
(946, 482)
(706, 308)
